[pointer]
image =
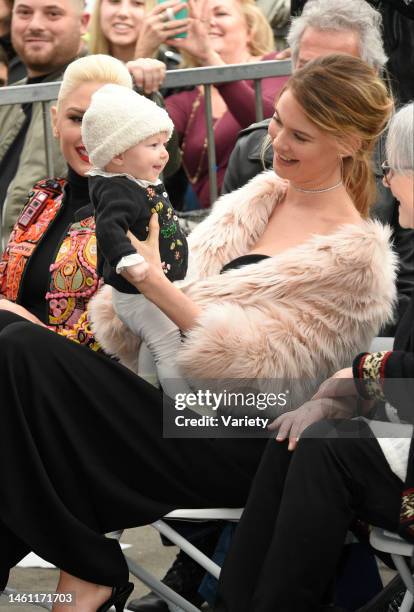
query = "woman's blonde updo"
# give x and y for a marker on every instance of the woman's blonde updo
(93, 68)
(346, 98)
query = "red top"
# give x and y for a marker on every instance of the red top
(186, 110)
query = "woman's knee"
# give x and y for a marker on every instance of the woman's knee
(335, 429)
(338, 440)
(8, 318)
(17, 338)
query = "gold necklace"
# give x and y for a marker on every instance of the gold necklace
(194, 179)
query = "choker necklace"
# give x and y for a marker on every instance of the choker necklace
(317, 190)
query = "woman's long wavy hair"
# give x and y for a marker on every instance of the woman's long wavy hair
(345, 98)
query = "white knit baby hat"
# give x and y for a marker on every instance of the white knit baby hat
(117, 119)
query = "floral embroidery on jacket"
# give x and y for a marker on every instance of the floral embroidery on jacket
(73, 278)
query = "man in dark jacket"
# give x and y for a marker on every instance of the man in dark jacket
(332, 26)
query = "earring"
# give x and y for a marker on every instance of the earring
(341, 163)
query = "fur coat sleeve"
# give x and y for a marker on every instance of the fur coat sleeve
(302, 314)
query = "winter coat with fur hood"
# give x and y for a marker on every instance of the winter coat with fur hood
(301, 314)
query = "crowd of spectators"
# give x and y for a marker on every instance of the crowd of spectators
(40, 39)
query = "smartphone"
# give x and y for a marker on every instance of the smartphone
(182, 14)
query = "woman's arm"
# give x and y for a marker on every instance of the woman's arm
(156, 287)
(387, 376)
(19, 310)
(177, 306)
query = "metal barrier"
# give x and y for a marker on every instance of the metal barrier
(208, 76)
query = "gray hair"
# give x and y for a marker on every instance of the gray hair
(355, 15)
(400, 141)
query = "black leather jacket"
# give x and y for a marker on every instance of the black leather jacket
(245, 162)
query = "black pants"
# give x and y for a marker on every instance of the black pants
(82, 453)
(288, 543)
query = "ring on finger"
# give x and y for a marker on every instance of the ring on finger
(169, 14)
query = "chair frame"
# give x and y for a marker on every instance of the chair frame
(175, 602)
(399, 549)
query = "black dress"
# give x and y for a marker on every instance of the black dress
(291, 535)
(82, 454)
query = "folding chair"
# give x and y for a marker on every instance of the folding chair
(399, 549)
(175, 601)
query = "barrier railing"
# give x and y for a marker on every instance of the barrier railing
(208, 76)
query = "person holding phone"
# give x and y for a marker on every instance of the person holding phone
(128, 29)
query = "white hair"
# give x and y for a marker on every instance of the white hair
(99, 68)
(400, 141)
(354, 15)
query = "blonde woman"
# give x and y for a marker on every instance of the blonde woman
(301, 505)
(129, 29)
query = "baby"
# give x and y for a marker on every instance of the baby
(125, 135)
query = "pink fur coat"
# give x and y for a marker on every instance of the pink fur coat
(302, 314)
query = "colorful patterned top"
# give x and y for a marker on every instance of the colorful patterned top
(121, 204)
(73, 277)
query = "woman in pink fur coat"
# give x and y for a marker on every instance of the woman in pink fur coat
(288, 279)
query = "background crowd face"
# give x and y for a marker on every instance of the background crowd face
(228, 33)
(67, 125)
(47, 33)
(319, 43)
(121, 21)
(3, 74)
(5, 15)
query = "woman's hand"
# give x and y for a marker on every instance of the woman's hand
(157, 288)
(341, 384)
(149, 249)
(197, 42)
(284, 54)
(157, 28)
(147, 73)
(292, 424)
(21, 311)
